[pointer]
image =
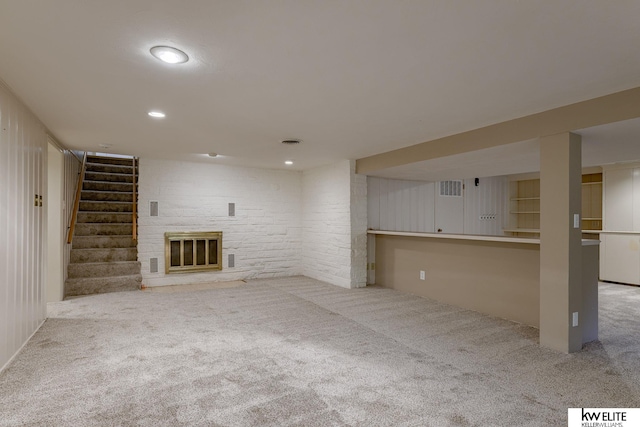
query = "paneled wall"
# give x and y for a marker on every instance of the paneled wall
(486, 206)
(399, 205)
(23, 156)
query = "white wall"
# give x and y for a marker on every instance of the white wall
(401, 205)
(334, 225)
(23, 156)
(265, 235)
(55, 230)
(490, 197)
(620, 247)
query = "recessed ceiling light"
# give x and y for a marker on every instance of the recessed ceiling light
(169, 54)
(213, 154)
(105, 146)
(157, 114)
(288, 162)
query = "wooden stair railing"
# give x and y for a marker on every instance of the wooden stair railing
(76, 204)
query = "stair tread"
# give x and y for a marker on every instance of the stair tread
(77, 279)
(104, 223)
(106, 262)
(110, 160)
(104, 249)
(106, 202)
(109, 173)
(106, 212)
(110, 164)
(121, 184)
(105, 277)
(101, 235)
(109, 182)
(100, 191)
(128, 184)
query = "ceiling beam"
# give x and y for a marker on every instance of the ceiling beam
(611, 108)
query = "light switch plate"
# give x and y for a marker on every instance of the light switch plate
(576, 220)
(575, 319)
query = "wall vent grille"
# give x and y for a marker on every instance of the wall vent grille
(153, 265)
(153, 208)
(451, 188)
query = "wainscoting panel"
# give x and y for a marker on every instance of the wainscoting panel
(23, 155)
(400, 205)
(486, 207)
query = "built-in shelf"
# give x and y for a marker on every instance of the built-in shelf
(525, 205)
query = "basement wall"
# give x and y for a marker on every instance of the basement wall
(334, 247)
(403, 205)
(264, 235)
(409, 206)
(23, 157)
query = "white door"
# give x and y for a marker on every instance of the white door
(449, 207)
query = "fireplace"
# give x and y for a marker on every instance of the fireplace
(192, 251)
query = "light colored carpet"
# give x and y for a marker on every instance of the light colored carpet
(298, 352)
(195, 287)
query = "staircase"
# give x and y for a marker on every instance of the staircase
(104, 256)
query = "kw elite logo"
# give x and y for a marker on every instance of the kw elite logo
(604, 417)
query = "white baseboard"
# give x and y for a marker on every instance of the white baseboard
(6, 365)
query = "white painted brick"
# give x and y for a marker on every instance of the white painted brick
(265, 235)
(335, 224)
(286, 223)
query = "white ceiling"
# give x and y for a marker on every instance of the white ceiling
(350, 78)
(601, 145)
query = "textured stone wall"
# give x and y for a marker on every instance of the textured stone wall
(264, 235)
(334, 224)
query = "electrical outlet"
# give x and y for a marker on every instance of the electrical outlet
(575, 319)
(487, 217)
(422, 275)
